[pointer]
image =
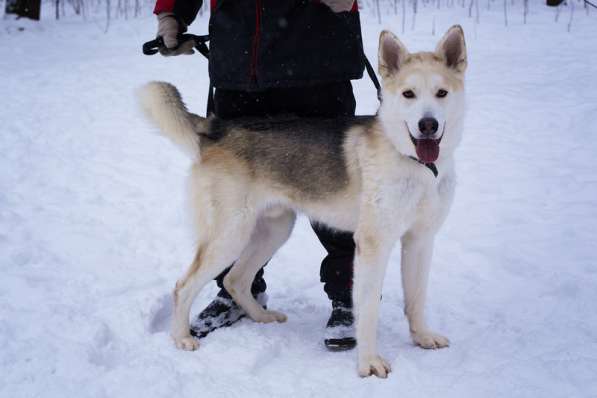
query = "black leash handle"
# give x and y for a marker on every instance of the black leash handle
(153, 46)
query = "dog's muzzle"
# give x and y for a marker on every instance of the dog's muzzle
(427, 148)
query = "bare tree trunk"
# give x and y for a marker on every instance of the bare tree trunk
(108, 7)
(76, 4)
(571, 16)
(378, 11)
(403, 15)
(526, 10)
(83, 8)
(506, 12)
(11, 7)
(24, 8)
(477, 15)
(57, 9)
(433, 27)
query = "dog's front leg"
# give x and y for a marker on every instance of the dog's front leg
(371, 258)
(417, 250)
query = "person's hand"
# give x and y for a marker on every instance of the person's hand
(339, 5)
(168, 30)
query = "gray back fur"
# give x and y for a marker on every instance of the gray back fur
(306, 154)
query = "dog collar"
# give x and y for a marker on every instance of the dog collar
(430, 166)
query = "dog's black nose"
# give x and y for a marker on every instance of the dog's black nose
(428, 126)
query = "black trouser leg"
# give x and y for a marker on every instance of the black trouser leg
(337, 267)
(258, 285)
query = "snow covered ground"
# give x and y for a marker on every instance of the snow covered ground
(94, 231)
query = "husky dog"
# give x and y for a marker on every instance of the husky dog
(387, 177)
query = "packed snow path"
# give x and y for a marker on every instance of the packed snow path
(94, 230)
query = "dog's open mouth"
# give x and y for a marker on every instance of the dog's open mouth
(427, 148)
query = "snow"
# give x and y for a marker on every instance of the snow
(94, 228)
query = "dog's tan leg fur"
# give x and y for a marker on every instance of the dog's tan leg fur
(272, 230)
(417, 250)
(225, 232)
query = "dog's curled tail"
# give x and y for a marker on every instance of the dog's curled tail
(162, 103)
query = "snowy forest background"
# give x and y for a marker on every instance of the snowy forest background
(94, 227)
(407, 9)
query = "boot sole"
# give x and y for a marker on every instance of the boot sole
(344, 344)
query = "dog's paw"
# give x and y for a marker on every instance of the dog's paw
(374, 365)
(187, 343)
(268, 316)
(430, 340)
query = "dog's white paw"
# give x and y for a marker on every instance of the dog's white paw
(268, 316)
(430, 340)
(374, 365)
(187, 343)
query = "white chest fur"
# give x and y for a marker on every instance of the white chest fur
(410, 196)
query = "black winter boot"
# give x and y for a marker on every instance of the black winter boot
(221, 312)
(339, 331)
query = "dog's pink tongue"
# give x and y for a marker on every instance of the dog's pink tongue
(427, 150)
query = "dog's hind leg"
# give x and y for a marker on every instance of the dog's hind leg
(417, 249)
(272, 230)
(223, 246)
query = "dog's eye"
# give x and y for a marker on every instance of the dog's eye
(441, 93)
(408, 94)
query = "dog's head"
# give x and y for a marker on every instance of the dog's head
(423, 95)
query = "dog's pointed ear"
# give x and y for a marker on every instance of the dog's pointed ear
(452, 49)
(392, 54)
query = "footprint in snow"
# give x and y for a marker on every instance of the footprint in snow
(160, 314)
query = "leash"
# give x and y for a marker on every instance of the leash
(153, 47)
(372, 76)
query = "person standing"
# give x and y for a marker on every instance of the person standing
(273, 57)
